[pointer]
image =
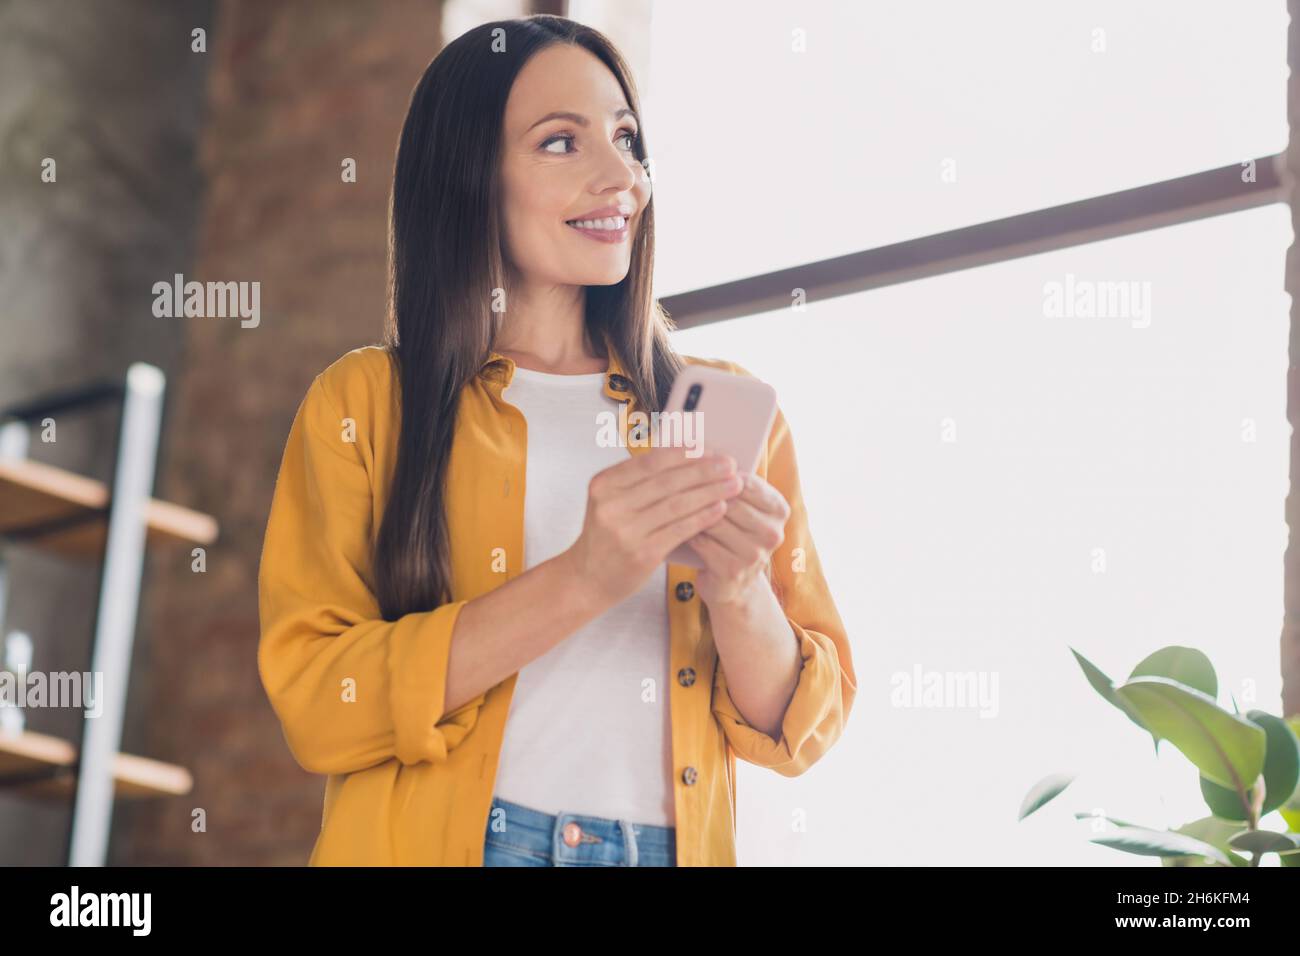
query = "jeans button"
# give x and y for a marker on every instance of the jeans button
(572, 834)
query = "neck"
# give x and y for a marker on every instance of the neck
(545, 330)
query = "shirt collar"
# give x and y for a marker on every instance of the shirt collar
(500, 370)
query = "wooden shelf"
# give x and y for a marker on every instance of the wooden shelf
(45, 767)
(72, 511)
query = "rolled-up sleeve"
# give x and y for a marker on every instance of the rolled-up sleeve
(351, 690)
(819, 708)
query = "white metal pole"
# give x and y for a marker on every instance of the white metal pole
(92, 813)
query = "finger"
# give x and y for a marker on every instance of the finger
(684, 528)
(745, 515)
(717, 559)
(763, 528)
(647, 464)
(689, 475)
(670, 508)
(764, 496)
(626, 494)
(740, 546)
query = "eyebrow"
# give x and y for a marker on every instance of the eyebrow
(579, 118)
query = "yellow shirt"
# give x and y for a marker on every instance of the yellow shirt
(360, 699)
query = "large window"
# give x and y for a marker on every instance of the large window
(993, 475)
(990, 485)
(904, 119)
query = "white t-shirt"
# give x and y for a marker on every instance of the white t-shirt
(589, 727)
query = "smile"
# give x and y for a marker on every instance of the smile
(612, 229)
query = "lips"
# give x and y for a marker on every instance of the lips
(604, 212)
(603, 233)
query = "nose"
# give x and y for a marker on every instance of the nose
(619, 168)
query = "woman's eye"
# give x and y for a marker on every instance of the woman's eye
(568, 138)
(556, 139)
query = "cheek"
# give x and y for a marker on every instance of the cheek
(540, 211)
(530, 224)
(531, 203)
(642, 191)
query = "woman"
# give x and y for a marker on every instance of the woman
(489, 677)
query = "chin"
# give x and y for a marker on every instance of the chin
(598, 276)
(610, 279)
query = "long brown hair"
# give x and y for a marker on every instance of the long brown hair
(445, 260)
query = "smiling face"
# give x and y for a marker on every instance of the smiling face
(576, 165)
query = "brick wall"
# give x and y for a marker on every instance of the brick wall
(296, 87)
(113, 94)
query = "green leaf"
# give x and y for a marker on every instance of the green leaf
(1226, 748)
(1213, 831)
(1209, 829)
(1265, 841)
(1281, 772)
(1043, 791)
(1186, 665)
(1161, 843)
(1106, 687)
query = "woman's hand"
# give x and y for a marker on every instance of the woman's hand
(736, 550)
(639, 510)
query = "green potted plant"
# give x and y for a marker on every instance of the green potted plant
(1249, 764)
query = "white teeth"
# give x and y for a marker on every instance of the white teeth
(613, 223)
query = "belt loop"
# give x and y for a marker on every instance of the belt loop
(557, 837)
(629, 841)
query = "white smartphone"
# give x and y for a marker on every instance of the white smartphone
(713, 410)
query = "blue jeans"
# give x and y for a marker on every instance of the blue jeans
(532, 838)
